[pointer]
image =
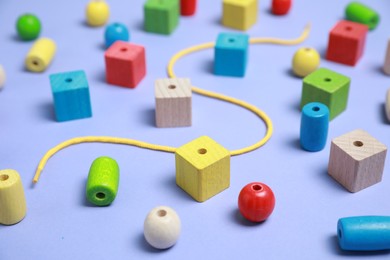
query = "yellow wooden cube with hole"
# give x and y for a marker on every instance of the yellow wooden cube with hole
(202, 168)
(239, 14)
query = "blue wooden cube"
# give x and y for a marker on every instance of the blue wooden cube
(71, 95)
(231, 54)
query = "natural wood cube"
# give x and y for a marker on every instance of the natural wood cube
(202, 168)
(173, 102)
(357, 160)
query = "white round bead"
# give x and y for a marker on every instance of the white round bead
(162, 227)
(2, 77)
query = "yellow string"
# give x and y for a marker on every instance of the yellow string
(174, 59)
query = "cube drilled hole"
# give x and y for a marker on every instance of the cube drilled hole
(123, 49)
(327, 79)
(68, 80)
(257, 187)
(4, 177)
(171, 86)
(348, 28)
(316, 109)
(100, 195)
(202, 151)
(161, 213)
(231, 40)
(358, 143)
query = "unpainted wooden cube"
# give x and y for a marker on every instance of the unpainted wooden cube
(357, 160)
(202, 168)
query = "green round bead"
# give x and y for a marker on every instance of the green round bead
(28, 27)
(103, 181)
(360, 13)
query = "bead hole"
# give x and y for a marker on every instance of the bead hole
(348, 28)
(340, 233)
(171, 86)
(100, 195)
(358, 143)
(35, 63)
(316, 109)
(307, 49)
(327, 79)
(68, 80)
(202, 151)
(257, 187)
(123, 49)
(4, 177)
(161, 213)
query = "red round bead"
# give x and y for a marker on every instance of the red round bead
(256, 201)
(281, 7)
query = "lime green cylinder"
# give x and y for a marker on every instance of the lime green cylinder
(360, 13)
(103, 181)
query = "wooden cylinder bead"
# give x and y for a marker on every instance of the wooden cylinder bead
(387, 104)
(314, 126)
(187, 7)
(360, 13)
(281, 7)
(162, 227)
(40, 55)
(2, 77)
(97, 13)
(364, 233)
(103, 181)
(12, 200)
(386, 66)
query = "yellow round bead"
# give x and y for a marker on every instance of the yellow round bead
(97, 13)
(305, 61)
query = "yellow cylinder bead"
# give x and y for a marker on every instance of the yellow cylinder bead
(12, 200)
(97, 13)
(305, 61)
(40, 55)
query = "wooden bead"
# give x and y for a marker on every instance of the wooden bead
(202, 168)
(327, 87)
(357, 160)
(2, 77)
(125, 64)
(161, 16)
(305, 61)
(387, 105)
(103, 181)
(239, 14)
(346, 42)
(173, 102)
(40, 55)
(28, 27)
(281, 7)
(97, 13)
(360, 13)
(386, 66)
(162, 227)
(71, 95)
(116, 32)
(12, 200)
(187, 7)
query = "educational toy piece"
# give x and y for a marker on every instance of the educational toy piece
(3, 77)
(231, 54)
(162, 227)
(387, 105)
(28, 27)
(386, 66)
(356, 160)
(173, 102)
(71, 95)
(239, 14)
(103, 181)
(116, 32)
(360, 13)
(327, 87)
(256, 201)
(161, 16)
(314, 126)
(12, 200)
(364, 233)
(125, 64)
(281, 7)
(202, 168)
(97, 13)
(305, 61)
(40, 55)
(346, 42)
(187, 7)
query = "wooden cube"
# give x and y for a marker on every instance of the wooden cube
(357, 160)
(387, 104)
(327, 87)
(125, 64)
(202, 168)
(161, 16)
(71, 95)
(239, 14)
(346, 42)
(173, 102)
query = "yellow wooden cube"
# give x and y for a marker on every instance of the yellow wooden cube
(202, 168)
(239, 14)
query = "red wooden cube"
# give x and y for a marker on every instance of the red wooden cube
(187, 7)
(125, 64)
(346, 42)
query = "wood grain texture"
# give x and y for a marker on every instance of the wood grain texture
(386, 66)
(357, 160)
(387, 105)
(202, 168)
(12, 200)
(173, 102)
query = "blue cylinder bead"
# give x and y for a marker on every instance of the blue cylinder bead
(314, 126)
(364, 233)
(116, 32)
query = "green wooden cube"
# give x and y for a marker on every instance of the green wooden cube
(327, 87)
(161, 16)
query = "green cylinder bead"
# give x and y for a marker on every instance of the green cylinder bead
(360, 13)
(28, 27)
(103, 181)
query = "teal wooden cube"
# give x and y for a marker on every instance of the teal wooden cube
(231, 54)
(327, 87)
(161, 16)
(71, 95)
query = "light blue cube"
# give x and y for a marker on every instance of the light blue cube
(71, 95)
(231, 54)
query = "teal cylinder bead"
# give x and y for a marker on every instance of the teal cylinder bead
(103, 181)
(360, 13)
(364, 233)
(314, 126)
